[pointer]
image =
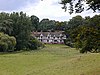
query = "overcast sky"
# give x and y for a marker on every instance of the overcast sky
(43, 9)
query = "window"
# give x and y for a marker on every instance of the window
(47, 40)
(41, 40)
(48, 37)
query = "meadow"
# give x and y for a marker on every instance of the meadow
(51, 60)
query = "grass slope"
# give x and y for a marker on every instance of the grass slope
(52, 60)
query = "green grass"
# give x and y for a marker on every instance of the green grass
(52, 60)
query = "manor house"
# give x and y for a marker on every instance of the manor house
(50, 37)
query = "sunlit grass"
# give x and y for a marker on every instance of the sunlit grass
(51, 60)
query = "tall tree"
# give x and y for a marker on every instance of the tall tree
(35, 22)
(47, 25)
(86, 36)
(21, 29)
(44, 24)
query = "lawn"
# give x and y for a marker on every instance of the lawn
(51, 60)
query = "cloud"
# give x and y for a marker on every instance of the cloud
(51, 9)
(43, 9)
(46, 9)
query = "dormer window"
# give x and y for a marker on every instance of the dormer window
(41, 36)
(48, 37)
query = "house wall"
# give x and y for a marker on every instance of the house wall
(51, 39)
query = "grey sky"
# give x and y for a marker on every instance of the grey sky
(10, 5)
(43, 9)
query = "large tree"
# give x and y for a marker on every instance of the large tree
(86, 36)
(44, 25)
(21, 29)
(35, 22)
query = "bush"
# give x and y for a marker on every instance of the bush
(35, 44)
(7, 43)
(68, 42)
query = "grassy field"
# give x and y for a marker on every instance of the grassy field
(52, 60)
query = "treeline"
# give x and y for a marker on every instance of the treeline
(16, 28)
(47, 25)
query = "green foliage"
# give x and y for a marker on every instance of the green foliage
(7, 43)
(51, 25)
(20, 26)
(79, 5)
(68, 42)
(61, 25)
(6, 23)
(35, 44)
(75, 22)
(21, 29)
(85, 33)
(46, 25)
(35, 22)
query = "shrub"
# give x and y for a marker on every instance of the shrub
(68, 42)
(7, 43)
(35, 44)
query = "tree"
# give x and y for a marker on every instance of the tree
(87, 36)
(5, 23)
(51, 25)
(21, 29)
(44, 25)
(7, 43)
(72, 26)
(84, 34)
(20, 26)
(47, 25)
(61, 25)
(6, 26)
(35, 22)
(88, 39)
(78, 5)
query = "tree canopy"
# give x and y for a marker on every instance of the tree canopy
(84, 33)
(20, 26)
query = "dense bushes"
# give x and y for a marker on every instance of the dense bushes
(7, 43)
(35, 44)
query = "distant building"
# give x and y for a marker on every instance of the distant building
(50, 37)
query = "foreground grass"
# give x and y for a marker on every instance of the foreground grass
(52, 60)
